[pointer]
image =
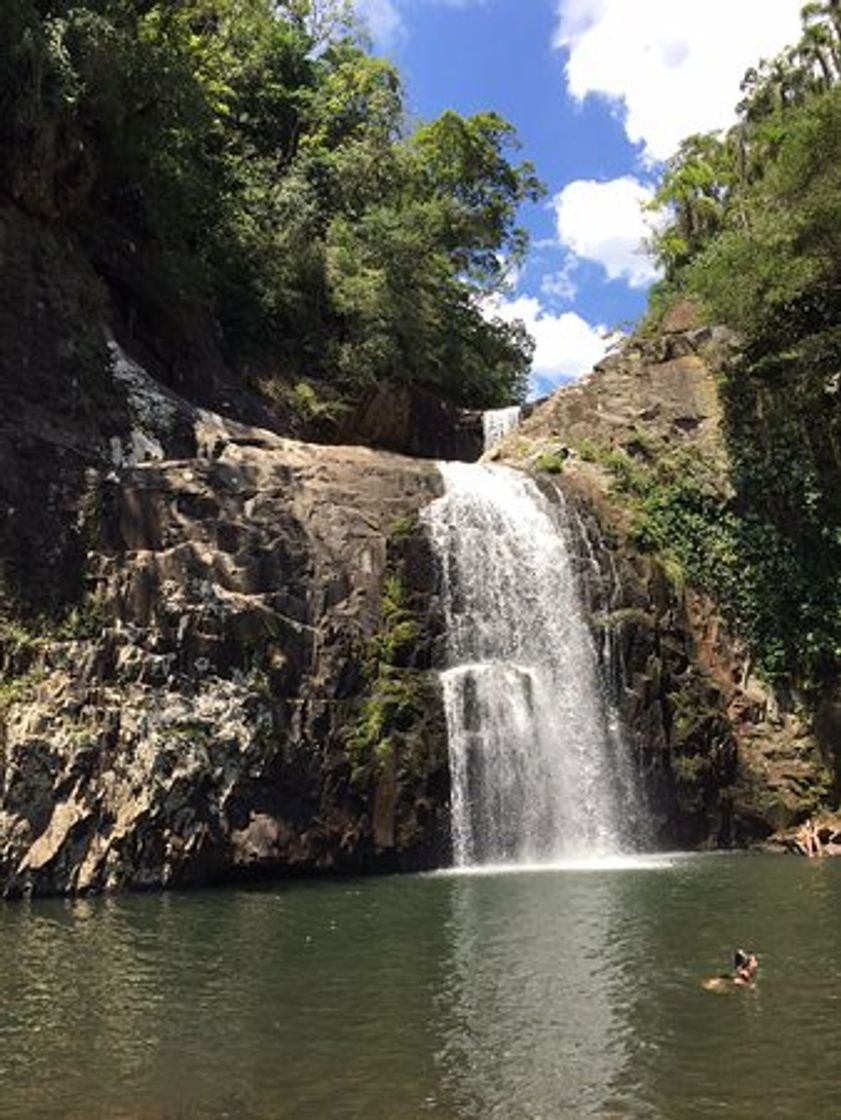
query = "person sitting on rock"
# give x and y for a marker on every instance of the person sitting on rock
(808, 839)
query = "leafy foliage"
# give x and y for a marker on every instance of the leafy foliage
(250, 158)
(391, 706)
(755, 232)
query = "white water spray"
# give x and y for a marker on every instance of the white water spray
(534, 771)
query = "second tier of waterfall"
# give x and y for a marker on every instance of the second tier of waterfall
(536, 774)
(497, 423)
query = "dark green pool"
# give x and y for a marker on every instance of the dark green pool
(532, 995)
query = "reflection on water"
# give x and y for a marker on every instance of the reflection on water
(510, 997)
(530, 1011)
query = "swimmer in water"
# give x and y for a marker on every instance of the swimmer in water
(745, 967)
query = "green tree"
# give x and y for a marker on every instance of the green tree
(462, 163)
(694, 193)
(251, 159)
(756, 236)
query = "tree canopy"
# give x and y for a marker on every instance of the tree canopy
(754, 233)
(257, 160)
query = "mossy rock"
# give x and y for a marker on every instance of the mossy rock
(551, 462)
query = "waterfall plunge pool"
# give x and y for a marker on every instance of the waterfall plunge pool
(569, 989)
(472, 997)
(587, 863)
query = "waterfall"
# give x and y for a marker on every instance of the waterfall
(536, 774)
(498, 422)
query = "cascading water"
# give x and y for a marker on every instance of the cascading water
(536, 775)
(498, 422)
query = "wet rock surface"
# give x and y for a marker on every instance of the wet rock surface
(672, 711)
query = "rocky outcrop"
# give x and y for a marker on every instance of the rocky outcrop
(723, 759)
(661, 390)
(217, 644)
(413, 421)
(220, 700)
(203, 672)
(672, 711)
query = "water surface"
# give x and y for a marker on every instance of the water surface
(539, 995)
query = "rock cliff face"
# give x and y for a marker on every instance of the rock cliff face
(217, 644)
(672, 710)
(203, 709)
(413, 421)
(723, 760)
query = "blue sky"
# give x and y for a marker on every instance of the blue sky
(600, 92)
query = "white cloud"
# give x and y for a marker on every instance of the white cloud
(382, 20)
(670, 67)
(604, 222)
(566, 346)
(560, 285)
(385, 19)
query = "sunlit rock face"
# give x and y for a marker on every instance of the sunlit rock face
(191, 611)
(722, 759)
(219, 647)
(190, 719)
